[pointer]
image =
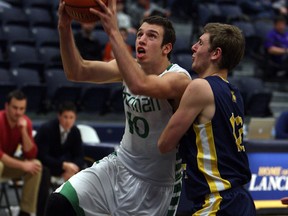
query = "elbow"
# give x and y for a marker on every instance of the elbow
(137, 89)
(70, 74)
(75, 71)
(70, 77)
(138, 86)
(73, 75)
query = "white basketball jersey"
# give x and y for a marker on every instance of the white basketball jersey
(146, 118)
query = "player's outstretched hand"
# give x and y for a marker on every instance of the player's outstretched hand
(63, 18)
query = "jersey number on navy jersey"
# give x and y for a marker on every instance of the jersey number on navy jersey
(237, 127)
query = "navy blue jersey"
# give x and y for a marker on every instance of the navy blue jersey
(214, 152)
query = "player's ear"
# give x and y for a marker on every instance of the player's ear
(217, 53)
(167, 48)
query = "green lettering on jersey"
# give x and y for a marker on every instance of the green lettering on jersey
(141, 105)
(138, 125)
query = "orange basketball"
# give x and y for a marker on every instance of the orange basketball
(79, 10)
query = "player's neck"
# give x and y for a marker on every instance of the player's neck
(221, 73)
(156, 68)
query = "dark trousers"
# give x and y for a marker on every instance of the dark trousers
(44, 191)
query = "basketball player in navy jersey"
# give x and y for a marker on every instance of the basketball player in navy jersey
(211, 115)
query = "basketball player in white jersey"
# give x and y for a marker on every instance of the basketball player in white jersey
(136, 179)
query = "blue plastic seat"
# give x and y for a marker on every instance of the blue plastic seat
(6, 85)
(15, 33)
(29, 81)
(60, 89)
(14, 15)
(23, 54)
(45, 35)
(38, 16)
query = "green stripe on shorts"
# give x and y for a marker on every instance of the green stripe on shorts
(69, 192)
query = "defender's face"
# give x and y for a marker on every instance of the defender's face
(201, 54)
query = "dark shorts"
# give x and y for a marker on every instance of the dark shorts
(232, 202)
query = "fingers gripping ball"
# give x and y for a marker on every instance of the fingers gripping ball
(79, 10)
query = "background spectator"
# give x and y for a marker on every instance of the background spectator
(144, 8)
(124, 20)
(108, 53)
(60, 144)
(60, 149)
(88, 46)
(276, 45)
(16, 128)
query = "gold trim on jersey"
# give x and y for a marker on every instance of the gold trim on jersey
(207, 158)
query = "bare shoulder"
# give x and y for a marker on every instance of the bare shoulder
(175, 84)
(178, 80)
(199, 87)
(174, 76)
(198, 83)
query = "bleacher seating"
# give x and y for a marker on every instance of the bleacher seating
(35, 23)
(252, 39)
(29, 81)
(256, 97)
(15, 33)
(60, 89)
(94, 99)
(6, 85)
(45, 35)
(14, 15)
(49, 54)
(39, 16)
(22, 54)
(37, 4)
(208, 12)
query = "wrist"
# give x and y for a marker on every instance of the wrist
(23, 130)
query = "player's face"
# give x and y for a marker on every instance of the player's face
(201, 55)
(15, 109)
(148, 42)
(67, 119)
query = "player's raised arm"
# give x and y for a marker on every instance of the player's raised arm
(76, 68)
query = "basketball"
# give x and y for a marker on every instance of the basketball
(79, 10)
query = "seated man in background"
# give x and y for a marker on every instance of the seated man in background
(276, 45)
(16, 128)
(60, 149)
